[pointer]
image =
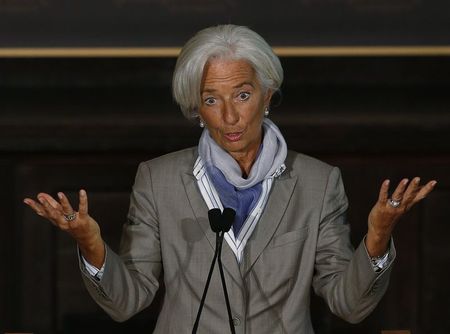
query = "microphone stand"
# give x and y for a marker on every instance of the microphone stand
(213, 219)
(220, 224)
(224, 286)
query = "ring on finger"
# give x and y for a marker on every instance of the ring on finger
(70, 217)
(394, 203)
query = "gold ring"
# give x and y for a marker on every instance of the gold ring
(70, 217)
(394, 203)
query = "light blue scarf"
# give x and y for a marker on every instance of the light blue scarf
(234, 191)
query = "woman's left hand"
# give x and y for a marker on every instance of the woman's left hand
(387, 211)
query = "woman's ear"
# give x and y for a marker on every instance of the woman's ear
(268, 97)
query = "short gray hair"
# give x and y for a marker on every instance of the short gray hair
(224, 41)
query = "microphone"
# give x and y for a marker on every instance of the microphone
(227, 221)
(215, 220)
(215, 216)
(228, 216)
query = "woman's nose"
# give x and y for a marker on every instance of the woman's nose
(230, 114)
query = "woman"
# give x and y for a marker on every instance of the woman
(290, 231)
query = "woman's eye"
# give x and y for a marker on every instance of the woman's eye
(210, 101)
(244, 96)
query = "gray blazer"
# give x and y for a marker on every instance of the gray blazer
(301, 240)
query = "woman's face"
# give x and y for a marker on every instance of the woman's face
(233, 105)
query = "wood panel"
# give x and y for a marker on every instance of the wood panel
(434, 294)
(331, 105)
(50, 255)
(66, 124)
(8, 249)
(402, 305)
(61, 304)
(138, 23)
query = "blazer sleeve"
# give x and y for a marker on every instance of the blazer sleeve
(343, 277)
(130, 281)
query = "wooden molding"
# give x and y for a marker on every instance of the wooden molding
(171, 52)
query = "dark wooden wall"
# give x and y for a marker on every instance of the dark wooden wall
(120, 23)
(71, 123)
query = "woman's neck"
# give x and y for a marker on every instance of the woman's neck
(245, 160)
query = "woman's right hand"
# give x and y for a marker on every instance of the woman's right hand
(82, 227)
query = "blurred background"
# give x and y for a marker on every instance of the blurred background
(85, 95)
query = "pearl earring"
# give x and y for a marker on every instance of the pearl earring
(266, 111)
(202, 124)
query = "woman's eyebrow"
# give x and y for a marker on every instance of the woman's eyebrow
(243, 84)
(239, 85)
(208, 90)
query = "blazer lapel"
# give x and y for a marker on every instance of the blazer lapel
(277, 203)
(200, 211)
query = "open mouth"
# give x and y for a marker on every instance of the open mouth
(233, 136)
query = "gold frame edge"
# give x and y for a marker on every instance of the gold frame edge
(171, 52)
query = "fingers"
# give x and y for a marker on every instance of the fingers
(54, 203)
(66, 207)
(83, 206)
(385, 214)
(412, 191)
(43, 208)
(383, 196)
(410, 194)
(51, 213)
(46, 204)
(51, 209)
(425, 190)
(400, 190)
(36, 207)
